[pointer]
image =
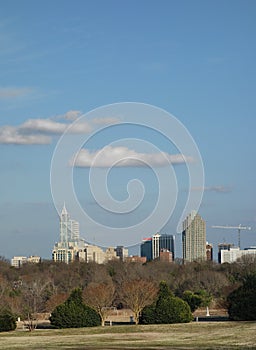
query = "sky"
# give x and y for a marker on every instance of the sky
(61, 62)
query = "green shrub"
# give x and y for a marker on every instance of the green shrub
(197, 299)
(74, 313)
(242, 301)
(166, 309)
(7, 321)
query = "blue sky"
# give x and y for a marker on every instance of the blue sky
(60, 59)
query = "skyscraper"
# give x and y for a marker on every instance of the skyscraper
(146, 248)
(194, 238)
(67, 248)
(69, 229)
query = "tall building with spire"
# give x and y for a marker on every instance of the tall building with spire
(67, 247)
(69, 229)
(194, 238)
(71, 247)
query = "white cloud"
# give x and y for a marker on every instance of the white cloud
(12, 92)
(35, 131)
(11, 135)
(52, 127)
(124, 157)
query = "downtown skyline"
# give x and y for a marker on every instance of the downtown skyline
(193, 59)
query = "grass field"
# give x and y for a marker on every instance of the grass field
(196, 335)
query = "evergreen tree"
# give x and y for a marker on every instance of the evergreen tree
(242, 301)
(166, 309)
(73, 313)
(7, 321)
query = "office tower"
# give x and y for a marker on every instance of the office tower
(151, 247)
(156, 246)
(69, 229)
(67, 248)
(64, 226)
(74, 231)
(167, 243)
(146, 248)
(122, 252)
(194, 238)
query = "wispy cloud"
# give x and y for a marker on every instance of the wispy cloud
(105, 121)
(71, 115)
(124, 157)
(49, 126)
(218, 189)
(14, 92)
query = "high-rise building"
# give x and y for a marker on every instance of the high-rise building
(69, 229)
(194, 238)
(74, 231)
(122, 252)
(167, 242)
(146, 248)
(156, 246)
(67, 248)
(151, 247)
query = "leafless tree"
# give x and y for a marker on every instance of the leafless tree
(137, 294)
(99, 296)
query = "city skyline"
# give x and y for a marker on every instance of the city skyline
(194, 60)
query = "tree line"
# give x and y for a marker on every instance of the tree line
(41, 288)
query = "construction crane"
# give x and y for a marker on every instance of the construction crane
(239, 228)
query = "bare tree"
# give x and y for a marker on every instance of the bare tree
(55, 300)
(99, 296)
(33, 300)
(137, 294)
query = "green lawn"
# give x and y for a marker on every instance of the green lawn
(201, 335)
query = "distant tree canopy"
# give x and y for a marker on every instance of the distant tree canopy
(166, 309)
(242, 301)
(73, 313)
(39, 288)
(7, 320)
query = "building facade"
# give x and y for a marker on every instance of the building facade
(209, 251)
(194, 238)
(152, 247)
(69, 229)
(233, 254)
(66, 250)
(223, 246)
(121, 252)
(18, 261)
(146, 248)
